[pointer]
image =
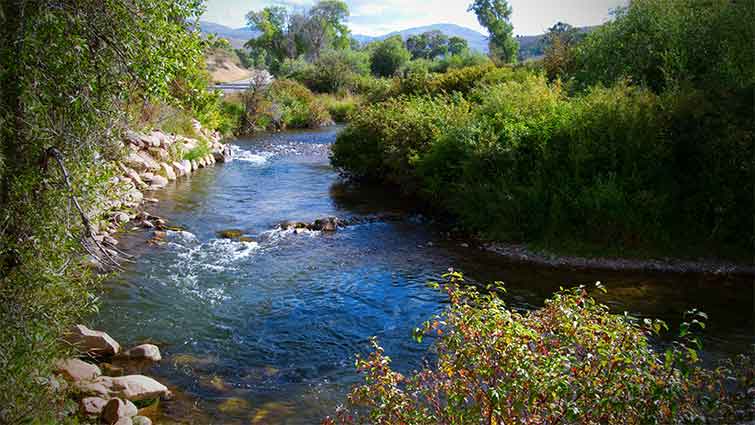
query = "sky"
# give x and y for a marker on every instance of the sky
(377, 17)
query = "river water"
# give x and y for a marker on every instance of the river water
(264, 331)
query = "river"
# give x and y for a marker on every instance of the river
(265, 330)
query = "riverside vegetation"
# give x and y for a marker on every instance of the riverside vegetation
(614, 142)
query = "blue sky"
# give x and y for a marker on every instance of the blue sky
(371, 17)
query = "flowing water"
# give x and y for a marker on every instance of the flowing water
(265, 330)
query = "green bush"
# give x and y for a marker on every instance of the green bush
(340, 108)
(384, 140)
(200, 151)
(571, 361)
(388, 56)
(285, 104)
(617, 167)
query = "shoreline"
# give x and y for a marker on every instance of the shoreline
(522, 254)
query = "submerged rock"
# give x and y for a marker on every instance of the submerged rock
(230, 233)
(141, 420)
(144, 352)
(94, 342)
(327, 224)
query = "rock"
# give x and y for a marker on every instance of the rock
(77, 370)
(92, 406)
(141, 420)
(246, 239)
(328, 224)
(294, 225)
(179, 169)
(186, 164)
(94, 342)
(224, 154)
(134, 176)
(168, 171)
(230, 234)
(130, 387)
(115, 409)
(151, 200)
(144, 352)
(124, 421)
(464, 245)
(194, 165)
(111, 370)
(158, 181)
(121, 217)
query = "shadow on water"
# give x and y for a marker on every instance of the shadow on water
(265, 331)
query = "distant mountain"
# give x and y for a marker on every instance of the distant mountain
(531, 46)
(236, 36)
(476, 40)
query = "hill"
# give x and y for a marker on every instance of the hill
(476, 40)
(236, 36)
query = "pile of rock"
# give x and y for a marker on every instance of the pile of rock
(110, 398)
(153, 160)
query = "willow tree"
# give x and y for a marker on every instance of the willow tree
(68, 70)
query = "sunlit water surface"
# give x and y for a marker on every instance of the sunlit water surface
(265, 331)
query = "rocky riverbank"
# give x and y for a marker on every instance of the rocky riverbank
(96, 375)
(153, 159)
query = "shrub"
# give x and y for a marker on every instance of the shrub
(388, 56)
(335, 70)
(383, 140)
(571, 361)
(285, 104)
(200, 151)
(340, 107)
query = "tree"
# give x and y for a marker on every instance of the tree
(495, 15)
(388, 56)
(437, 43)
(68, 71)
(417, 45)
(558, 44)
(288, 35)
(457, 45)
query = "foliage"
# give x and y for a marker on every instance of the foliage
(200, 151)
(340, 108)
(284, 104)
(465, 59)
(288, 34)
(67, 70)
(558, 44)
(428, 45)
(383, 140)
(669, 42)
(571, 361)
(388, 56)
(495, 15)
(616, 167)
(335, 70)
(457, 45)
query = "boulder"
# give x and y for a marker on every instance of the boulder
(327, 224)
(194, 165)
(77, 370)
(148, 161)
(144, 352)
(230, 233)
(130, 387)
(124, 421)
(115, 409)
(92, 406)
(93, 342)
(293, 225)
(133, 138)
(141, 420)
(134, 176)
(168, 171)
(158, 181)
(186, 164)
(179, 169)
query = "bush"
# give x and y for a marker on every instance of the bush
(200, 151)
(340, 108)
(383, 140)
(617, 167)
(388, 56)
(571, 361)
(285, 104)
